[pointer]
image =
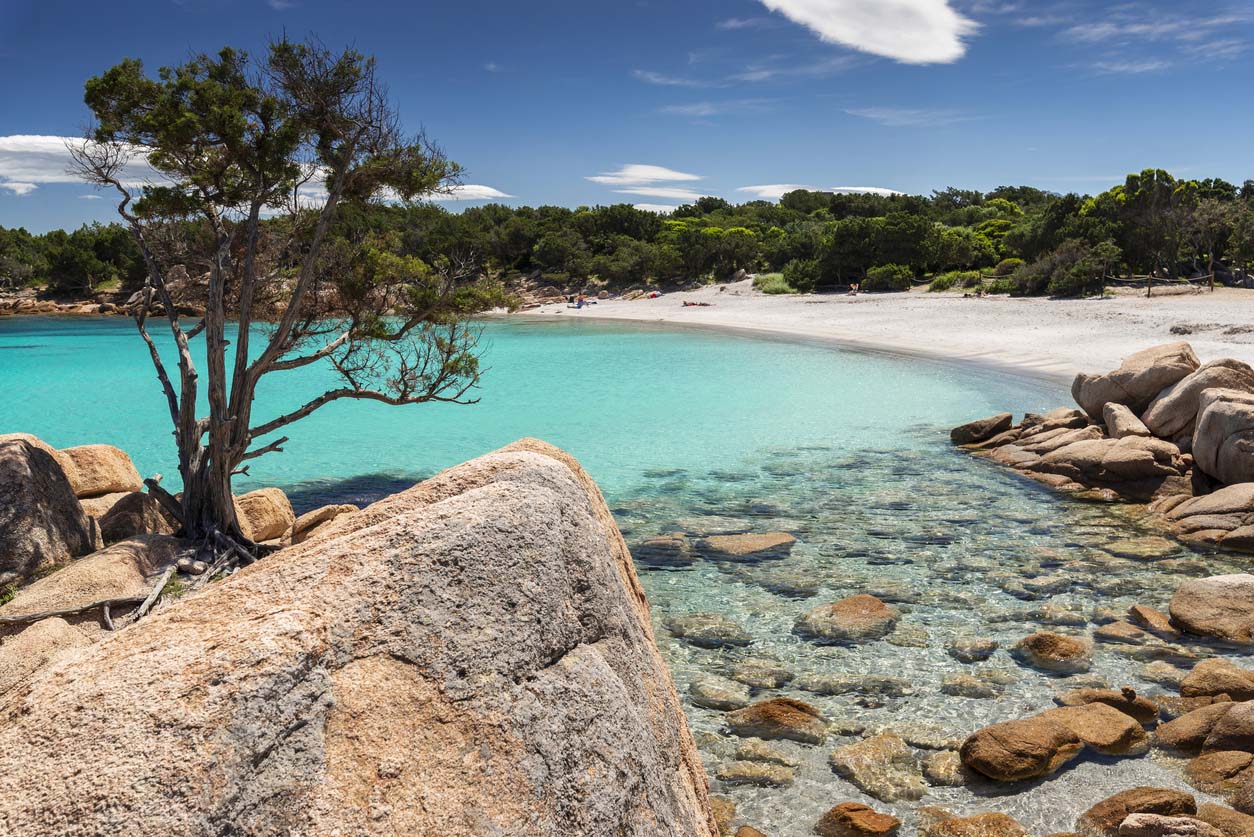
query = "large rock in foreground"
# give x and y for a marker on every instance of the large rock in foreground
(95, 470)
(471, 656)
(1137, 381)
(42, 523)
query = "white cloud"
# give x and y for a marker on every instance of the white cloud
(909, 31)
(639, 174)
(659, 208)
(662, 192)
(492, 67)
(774, 191)
(469, 192)
(89, 197)
(909, 117)
(702, 110)
(28, 161)
(864, 190)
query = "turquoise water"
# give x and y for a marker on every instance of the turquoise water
(698, 432)
(624, 400)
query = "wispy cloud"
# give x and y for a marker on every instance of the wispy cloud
(910, 117)
(733, 23)
(662, 192)
(281, 5)
(492, 67)
(89, 197)
(704, 110)
(663, 80)
(659, 208)
(640, 174)
(775, 69)
(1131, 67)
(908, 31)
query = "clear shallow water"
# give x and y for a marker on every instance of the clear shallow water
(847, 451)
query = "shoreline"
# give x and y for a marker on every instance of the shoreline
(1044, 339)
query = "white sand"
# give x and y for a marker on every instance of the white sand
(1049, 338)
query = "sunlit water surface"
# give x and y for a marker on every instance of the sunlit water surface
(847, 451)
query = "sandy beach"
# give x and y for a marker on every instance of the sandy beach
(1041, 337)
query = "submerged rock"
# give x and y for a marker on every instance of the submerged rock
(761, 673)
(944, 769)
(480, 642)
(1222, 772)
(980, 825)
(711, 692)
(708, 630)
(779, 718)
(1127, 701)
(1055, 653)
(881, 766)
(42, 523)
(857, 618)
(747, 547)
(1102, 727)
(853, 819)
(754, 773)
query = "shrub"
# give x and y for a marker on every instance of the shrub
(888, 277)
(773, 283)
(802, 275)
(1007, 266)
(1005, 285)
(963, 278)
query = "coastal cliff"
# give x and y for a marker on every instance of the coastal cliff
(471, 656)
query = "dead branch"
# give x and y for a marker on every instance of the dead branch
(27, 618)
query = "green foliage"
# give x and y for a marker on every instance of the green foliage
(7, 593)
(889, 277)
(1007, 266)
(773, 283)
(955, 278)
(803, 275)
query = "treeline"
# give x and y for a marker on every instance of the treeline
(1031, 241)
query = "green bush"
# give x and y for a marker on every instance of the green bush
(802, 274)
(961, 278)
(773, 283)
(1005, 285)
(888, 277)
(1007, 266)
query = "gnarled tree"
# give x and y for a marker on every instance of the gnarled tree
(255, 159)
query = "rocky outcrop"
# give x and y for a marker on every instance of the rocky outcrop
(1221, 606)
(42, 523)
(264, 514)
(95, 470)
(22, 654)
(1156, 825)
(1173, 413)
(1223, 444)
(473, 655)
(1219, 677)
(1171, 434)
(1139, 379)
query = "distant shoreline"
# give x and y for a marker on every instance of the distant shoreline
(1040, 338)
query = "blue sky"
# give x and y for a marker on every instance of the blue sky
(652, 103)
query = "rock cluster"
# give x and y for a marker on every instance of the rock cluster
(1163, 429)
